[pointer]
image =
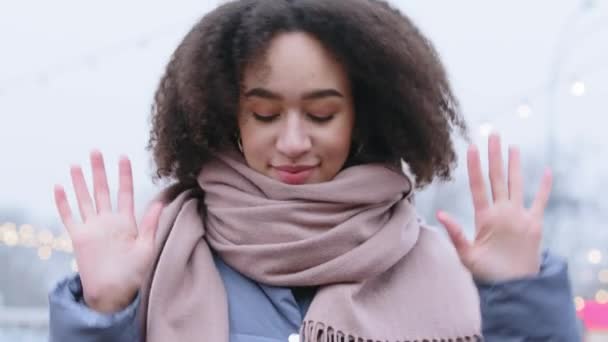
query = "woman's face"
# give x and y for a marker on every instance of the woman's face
(296, 112)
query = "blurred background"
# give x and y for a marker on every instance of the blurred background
(81, 75)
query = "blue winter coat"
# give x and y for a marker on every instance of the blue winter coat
(534, 309)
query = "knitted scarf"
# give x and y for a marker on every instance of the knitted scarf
(382, 276)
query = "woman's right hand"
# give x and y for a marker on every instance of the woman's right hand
(112, 252)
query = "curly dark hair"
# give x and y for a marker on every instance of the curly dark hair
(404, 106)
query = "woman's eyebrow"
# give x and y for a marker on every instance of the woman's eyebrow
(263, 93)
(310, 95)
(321, 93)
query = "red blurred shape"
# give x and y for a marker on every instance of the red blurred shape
(594, 315)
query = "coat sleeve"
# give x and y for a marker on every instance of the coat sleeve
(531, 309)
(72, 321)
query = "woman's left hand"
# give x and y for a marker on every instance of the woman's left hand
(507, 234)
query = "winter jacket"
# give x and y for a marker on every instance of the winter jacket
(532, 309)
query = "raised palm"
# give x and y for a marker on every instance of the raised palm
(112, 252)
(507, 234)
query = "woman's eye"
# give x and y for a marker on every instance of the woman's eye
(321, 118)
(265, 117)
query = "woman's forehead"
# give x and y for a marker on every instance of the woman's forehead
(295, 61)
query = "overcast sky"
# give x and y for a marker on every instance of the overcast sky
(79, 75)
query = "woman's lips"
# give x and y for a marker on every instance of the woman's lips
(294, 174)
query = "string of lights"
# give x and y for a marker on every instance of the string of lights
(578, 86)
(43, 240)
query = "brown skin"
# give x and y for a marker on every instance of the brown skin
(296, 113)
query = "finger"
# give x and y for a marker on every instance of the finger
(100, 183)
(516, 187)
(149, 222)
(125, 186)
(63, 207)
(542, 197)
(85, 204)
(476, 181)
(460, 241)
(497, 178)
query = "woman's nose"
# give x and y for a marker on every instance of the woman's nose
(294, 140)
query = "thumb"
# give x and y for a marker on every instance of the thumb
(149, 222)
(462, 245)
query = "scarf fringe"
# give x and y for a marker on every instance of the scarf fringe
(312, 331)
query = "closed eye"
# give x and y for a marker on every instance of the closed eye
(321, 118)
(265, 117)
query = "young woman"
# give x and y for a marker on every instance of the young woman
(284, 125)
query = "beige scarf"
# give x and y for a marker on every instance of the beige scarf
(382, 276)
